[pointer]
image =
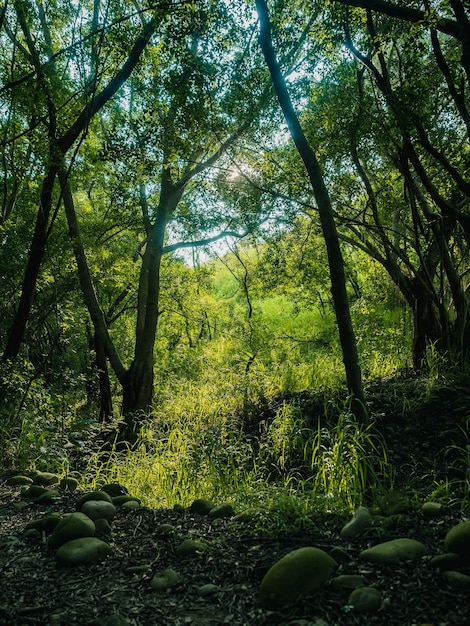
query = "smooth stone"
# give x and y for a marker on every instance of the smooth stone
(340, 555)
(34, 492)
(190, 547)
(102, 527)
(295, 575)
(98, 509)
(394, 551)
(201, 506)
(93, 495)
(46, 523)
(46, 479)
(361, 521)
(447, 561)
(457, 580)
(221, 511)
(458, 539)
(72, 526)
(69, 483)
(431, 510)
(19, 481)
(166, 529)
(114, 490)
(121, 500)
(164, 580)
(83, 551)
(347, 582)
(48, 497)
(131, 505)
(365, 599)
(208, 590)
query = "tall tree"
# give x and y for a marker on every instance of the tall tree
(335, 259)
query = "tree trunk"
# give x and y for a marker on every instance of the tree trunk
(335, 258)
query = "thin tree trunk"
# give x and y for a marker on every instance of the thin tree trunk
(335, 258)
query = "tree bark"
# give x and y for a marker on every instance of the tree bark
(325, 210)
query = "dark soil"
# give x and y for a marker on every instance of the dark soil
(35, 589)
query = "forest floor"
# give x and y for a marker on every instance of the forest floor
(35, 589)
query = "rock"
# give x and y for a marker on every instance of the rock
(201, 506)
(102, 527)
(346, 582)
(432, 510)
(35, 491)
(99, 509)
(130, 505)
(83, 551)
(179, 508)
(365, 599)
(19, 481)
(208, 590)
(190, 547)
(166, 529)
(69, 483)
(447, 561)
(46, 523)
(49, 496)
(164, 580)
(46, 479)
(114, 490)
(297, 574)
(72, 526)
(394, 551)
(220, 511)
(458, 539)
(93, 495)
(457, 580)
(340, 555)
(361, 521)
(121, 500)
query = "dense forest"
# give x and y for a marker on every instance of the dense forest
(235, 312)
(222, 223)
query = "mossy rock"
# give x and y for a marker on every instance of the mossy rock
(93, 495)
(347, 582)
(365, 599)
(166, 530)
(102, 527)
(34, 492)
(448, 561)
(98, 509)
(69, 483)
(457, 580)
(46, 479)
(458, 539)
(130, 505)
(19, 481)
(46, 523)
(360, 522)
(83, 551)
(191, 547)
(121, 500)
(221, 511)
(201, 506)
(394, 551)
(296, 575)
(48, 497)
(164, 580)
(72, 526)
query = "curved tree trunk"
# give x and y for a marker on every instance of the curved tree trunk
(335, 258)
